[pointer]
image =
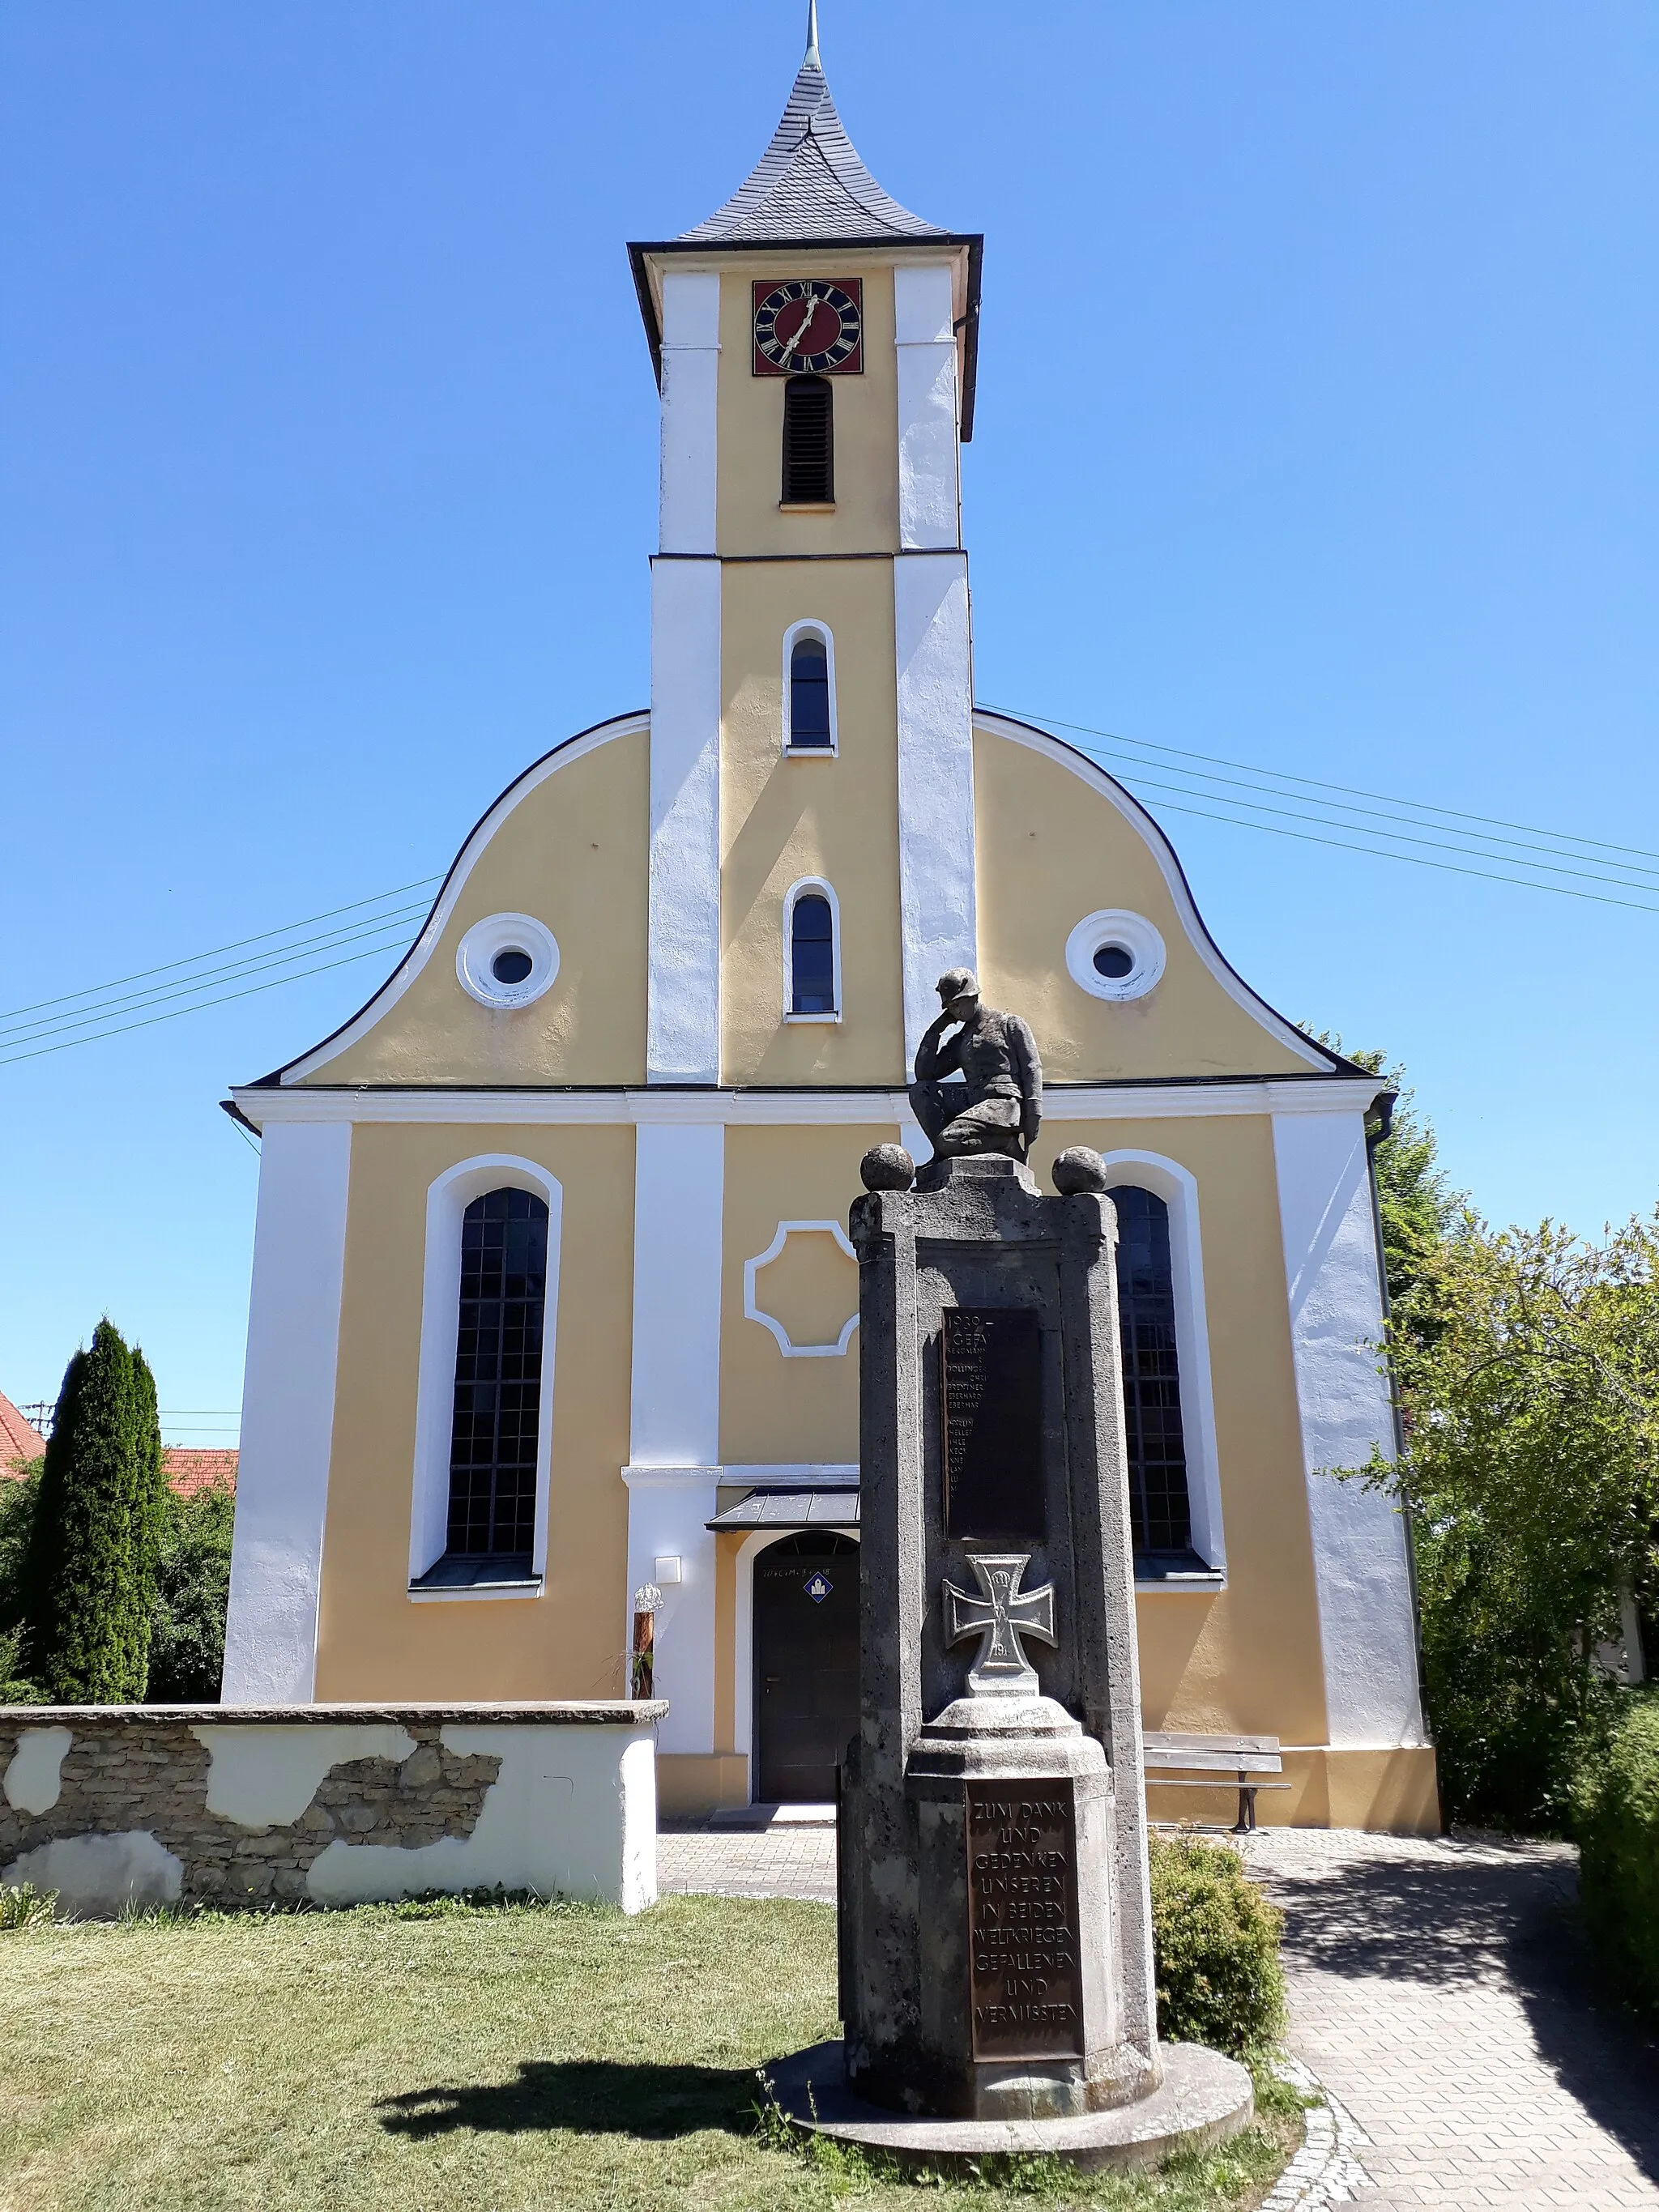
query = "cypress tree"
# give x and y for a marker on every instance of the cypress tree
(92, 1548)
(150, 1506)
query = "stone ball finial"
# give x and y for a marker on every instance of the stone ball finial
(1079, 1169)
(887, 1167)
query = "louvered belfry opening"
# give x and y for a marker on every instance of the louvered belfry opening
(498, 1377)
(808, 441)
(1160, 1515)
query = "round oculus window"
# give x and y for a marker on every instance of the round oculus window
(1115, 955)
(507, 960)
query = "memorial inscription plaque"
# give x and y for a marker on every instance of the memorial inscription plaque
(991, 1377)
(1026, 1989)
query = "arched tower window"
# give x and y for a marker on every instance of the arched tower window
(813, 966)
(498, 1377)
(812, 726)
(808, 441)
(1160, 1517)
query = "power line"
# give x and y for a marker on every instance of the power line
(1421, 806)
(212, 952)
(399, 919)
(41, 1052)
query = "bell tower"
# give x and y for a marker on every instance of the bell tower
(811, 865)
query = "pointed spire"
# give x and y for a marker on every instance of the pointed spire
(810, 183)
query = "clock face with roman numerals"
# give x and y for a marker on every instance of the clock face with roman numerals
(810, 324)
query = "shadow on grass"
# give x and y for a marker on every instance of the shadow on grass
(591, 2096)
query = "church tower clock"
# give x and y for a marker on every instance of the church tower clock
(812, 831)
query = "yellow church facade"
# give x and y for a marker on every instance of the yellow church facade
(552, 1298)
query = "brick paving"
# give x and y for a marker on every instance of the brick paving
(1439, 1989)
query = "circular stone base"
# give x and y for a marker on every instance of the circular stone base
(1202, 2100)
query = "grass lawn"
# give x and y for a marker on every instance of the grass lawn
(445, 2055)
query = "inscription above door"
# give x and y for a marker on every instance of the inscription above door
(991, 1378)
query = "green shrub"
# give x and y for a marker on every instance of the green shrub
(1215, 1941)
(23, 1906)
(1618, 1824)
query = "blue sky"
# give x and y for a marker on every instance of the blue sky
(1317, 431)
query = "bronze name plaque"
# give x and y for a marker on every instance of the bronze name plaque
(1025, 1987)
(991, 1376)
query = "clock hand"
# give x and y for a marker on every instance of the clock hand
(806, 323)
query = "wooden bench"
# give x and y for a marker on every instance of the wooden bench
(1227, 1762)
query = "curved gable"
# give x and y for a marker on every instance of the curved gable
(567, 844)
(1058, 840)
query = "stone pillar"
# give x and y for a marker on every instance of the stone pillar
(994, 1794)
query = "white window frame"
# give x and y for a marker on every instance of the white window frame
(742, 1646)
(811, 885)
(792, 637)
(447, 1202)
(1178, 1188)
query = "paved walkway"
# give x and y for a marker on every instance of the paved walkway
(1437, 1988)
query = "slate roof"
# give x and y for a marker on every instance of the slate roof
(810, 183)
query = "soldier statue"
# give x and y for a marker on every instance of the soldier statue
(998, 1106)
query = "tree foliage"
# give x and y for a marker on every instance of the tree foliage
(192, 1590)
(1528, 1366)
(89, 1574)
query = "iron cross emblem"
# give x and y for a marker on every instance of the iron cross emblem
(1001, 1614)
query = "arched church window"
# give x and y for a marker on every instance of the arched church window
(808, 441)
(811, 955)
(498, 1377)
(1160, 1518)
(809, 694)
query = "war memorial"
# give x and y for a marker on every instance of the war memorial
(995, 1932)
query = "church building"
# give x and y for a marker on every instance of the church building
(552, 1294)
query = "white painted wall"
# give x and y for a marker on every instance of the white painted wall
(690, 371)
(1360, 1563)
(682, 1030)
(679, 1196)
(32, 1782)
(929, 446)
(288, 1413)
(572, 1811)
(937, 904)
(264, 1778)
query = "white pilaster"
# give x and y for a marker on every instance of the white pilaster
(935, 653)
(679, 1192)
(1360, 1565)
(929, 443)
(684, 984)
(288, 1414)
(691, 370)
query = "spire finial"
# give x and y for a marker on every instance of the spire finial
(811, 54)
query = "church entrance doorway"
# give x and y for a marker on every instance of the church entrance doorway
(806, 1666)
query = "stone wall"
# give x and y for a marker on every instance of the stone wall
(108, 1805)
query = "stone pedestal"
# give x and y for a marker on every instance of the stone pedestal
(995, 1923)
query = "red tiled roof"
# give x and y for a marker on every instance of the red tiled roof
(189, 1472)
(18, 1440)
